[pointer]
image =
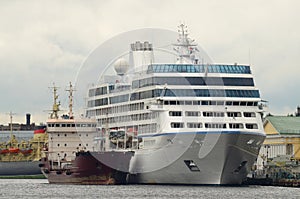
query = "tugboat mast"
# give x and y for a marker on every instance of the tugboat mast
(71, 116)
(11, 117)
(55, 107)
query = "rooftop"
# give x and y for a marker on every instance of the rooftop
(285, 124)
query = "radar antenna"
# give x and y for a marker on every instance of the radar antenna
(185, 47)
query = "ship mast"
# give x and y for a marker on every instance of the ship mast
(11, 117)
(185, 47)
(55, 107)
(70, 101)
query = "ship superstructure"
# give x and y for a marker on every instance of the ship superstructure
(68, 158)
(188, 122)
(68, 134)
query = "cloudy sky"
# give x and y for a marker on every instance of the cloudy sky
(42, 42)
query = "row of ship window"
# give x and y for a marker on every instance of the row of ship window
(194, 93)
(200, 81)
(211, 93)
(210, 103)
(209, 81)
(147, 116)
(67, 145)
(70, 125)
(58, 135)
(128, 118)
(175, 93)
(211, 114)
(116, 109)
(98, 91)
(140, 106)
(112, 100)
(166, 68)
(214, 125)
(140, 129)
(111, 89)
(189, 68)
(147, 128)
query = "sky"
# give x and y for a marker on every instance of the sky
(42, 42)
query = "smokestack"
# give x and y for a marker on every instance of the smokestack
(28, 119)
(141, 54)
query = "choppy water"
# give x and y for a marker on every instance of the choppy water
(39, 188)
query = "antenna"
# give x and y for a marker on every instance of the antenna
(11, 117)
(70, 100)
(185, 47)
(55, 107)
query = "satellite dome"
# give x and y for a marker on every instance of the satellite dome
(121, 66)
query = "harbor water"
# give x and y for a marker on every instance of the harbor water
(20, 135)
(39, 188)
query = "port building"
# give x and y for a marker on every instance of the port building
(282, 138)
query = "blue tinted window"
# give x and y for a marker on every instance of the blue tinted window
(167, 68)
(119, 99)
(185, 93)
(216, 81)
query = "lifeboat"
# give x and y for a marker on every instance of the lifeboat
(26, 151)
(13, 150)
(113, 135)
(121, 135)
(4, 151)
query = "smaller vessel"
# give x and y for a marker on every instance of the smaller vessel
(91, 168)
(70, 157)
(22, 158)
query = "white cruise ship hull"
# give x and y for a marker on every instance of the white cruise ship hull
(188, 122)
(220, 158)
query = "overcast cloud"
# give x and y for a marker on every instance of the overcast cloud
(42, 42)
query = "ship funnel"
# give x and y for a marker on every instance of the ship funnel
(298, 111)
(28, 119)
(141, 54)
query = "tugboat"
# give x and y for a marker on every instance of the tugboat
(22, 158)
(69, 160)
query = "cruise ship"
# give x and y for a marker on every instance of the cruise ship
(188, 122)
